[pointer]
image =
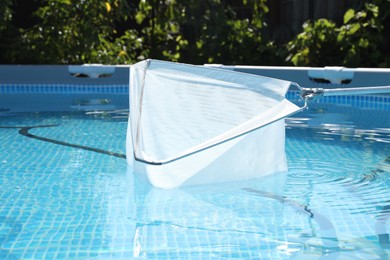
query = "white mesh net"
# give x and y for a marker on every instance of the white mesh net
(178, 110)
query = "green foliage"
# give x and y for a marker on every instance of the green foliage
(125, 49)
(190, 31)
(360, 41)
(361, 37)
(316, 45)
(74, 31)
(216, 32)
(70, 31)
(240, 38)
(6, 27)
(203, 31)
(5, 13)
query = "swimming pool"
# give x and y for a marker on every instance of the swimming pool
(67, 191)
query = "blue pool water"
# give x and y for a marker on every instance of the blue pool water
(67, 193)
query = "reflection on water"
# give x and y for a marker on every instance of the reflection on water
(263, 218)
(66, 203)
(332, 203)
(330, 122)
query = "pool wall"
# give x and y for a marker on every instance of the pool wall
(95, 74)
(63, 74)
(60, 87)
(326, 77)
(95, 86)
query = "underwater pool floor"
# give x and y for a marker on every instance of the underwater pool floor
(66, 192)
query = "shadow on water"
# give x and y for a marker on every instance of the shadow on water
(24, 130)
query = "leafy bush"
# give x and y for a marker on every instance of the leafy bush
(120, 31)
(205, 31)
(5, 13)
(316, 45)
(191, 31)
(360, 41)
(69, 31)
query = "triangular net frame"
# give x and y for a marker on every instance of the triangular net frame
(177, 110)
